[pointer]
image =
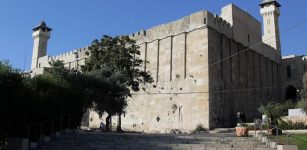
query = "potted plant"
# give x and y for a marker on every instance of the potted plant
(242, 127)
(242, 130)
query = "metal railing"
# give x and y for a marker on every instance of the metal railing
(277, 129)
(42, 125)
(277, 134)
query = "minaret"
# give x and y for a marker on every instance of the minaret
(270, 13)
(41, 34)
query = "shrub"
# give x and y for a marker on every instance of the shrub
(275, 111)
(200, 127)
(292, 126)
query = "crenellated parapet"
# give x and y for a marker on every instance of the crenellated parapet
(230, 24)
(218, 23)
(138, 35)
(269, 52)
(71, 53)
(71, 59)
(198, 20)
(174, 28)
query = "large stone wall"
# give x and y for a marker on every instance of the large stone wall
(209, 76)
(203, 72)
(240, 80)
(178, 99)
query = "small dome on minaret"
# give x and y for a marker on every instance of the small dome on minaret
(42, 25)
(268, 2)
(41, 34)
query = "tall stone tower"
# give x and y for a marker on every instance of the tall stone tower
(41, 34)
(270, 12)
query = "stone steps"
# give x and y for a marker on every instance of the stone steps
(129, 141)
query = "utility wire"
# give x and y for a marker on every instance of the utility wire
(223, 91)
(199, 92)
(249, 48)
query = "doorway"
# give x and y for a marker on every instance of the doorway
(291, 93)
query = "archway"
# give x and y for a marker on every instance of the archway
(291, 93)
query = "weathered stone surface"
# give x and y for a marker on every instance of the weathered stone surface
(206, 68)
(297, 66)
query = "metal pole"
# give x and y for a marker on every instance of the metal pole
(288, 138)
(52, 127)
(41, 132)
(255, 136)
(69, 121)
(29, 132)
(268, 131)
(277, 136)
(29, 143)
(261, 130)
(61, 122)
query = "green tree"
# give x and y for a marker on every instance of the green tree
(57, 69)
(109, 94)
(12, 89)
(115, 61)
(25, 100)
(119, 54)
(275, 111)
(77, 87)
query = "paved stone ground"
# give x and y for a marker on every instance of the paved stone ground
(141, 141)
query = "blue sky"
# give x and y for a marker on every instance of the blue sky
(76, 23)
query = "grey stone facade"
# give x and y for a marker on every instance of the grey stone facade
(293, 69)
(206, 68)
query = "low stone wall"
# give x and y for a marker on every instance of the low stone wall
(296, 115)
(287, 147)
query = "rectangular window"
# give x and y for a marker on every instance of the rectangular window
(289, 71)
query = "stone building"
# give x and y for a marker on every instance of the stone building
(206, 68)
(294, 68)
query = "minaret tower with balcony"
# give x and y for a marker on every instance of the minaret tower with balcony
(270, 12)
(41, 34)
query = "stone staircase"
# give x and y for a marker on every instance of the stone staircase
(139, 141)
